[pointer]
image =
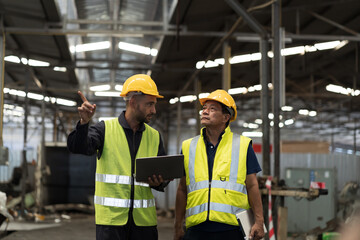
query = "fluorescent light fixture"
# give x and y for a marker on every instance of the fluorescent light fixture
(304, 112)
(12, 58)
(258, 121)
(289, 121)
(60, 69)
(254, 88)
(342, 90)
(252, 134)
(203, 95)
(107, 94)
(286, 108)
(24, 61)
(240, 59)
(174, 100)
(105, 118)
(293, 51)
(191, 121)
(137, 48)
(210, 64)
(200, 64)
(312, 113)
(233, 91)
(310, 48)
(90, 46)
(65, 102)
(327, 45)
(253, 126)
(220, 61)
(104, 87)
(341, 44)
(35, 63)
(271, 116)
(281, 124)
(188, 98)
(17, 93)
(35, 96)
(118, 87)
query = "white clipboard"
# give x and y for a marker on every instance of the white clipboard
(246, 220)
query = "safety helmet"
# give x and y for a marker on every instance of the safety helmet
(140, 83)
(223, 97)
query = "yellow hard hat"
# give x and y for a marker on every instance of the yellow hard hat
(223, 97)
(140, 83)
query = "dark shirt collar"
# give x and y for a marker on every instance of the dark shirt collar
(205, 138)
(125, 124)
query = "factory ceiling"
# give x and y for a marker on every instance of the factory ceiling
(185, 42)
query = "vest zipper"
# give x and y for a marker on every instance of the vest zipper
(208, 213)
(132, 191)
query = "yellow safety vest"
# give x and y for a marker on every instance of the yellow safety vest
(225, 194)
(113, 179)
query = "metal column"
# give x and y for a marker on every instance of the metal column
(276, 75)
(226, 70)
(264, 80)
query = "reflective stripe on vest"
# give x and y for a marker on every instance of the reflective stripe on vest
(213, 206)
(119, 179)
(123, 203)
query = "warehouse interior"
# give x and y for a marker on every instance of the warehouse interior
(300, 104)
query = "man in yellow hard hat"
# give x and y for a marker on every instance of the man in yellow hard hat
(124, 208)
(220, 177)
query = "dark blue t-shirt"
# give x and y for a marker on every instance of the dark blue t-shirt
(252, 166)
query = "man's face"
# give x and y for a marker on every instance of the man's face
(145, 108)
(212, 114)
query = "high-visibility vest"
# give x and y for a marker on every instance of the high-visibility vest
(225, 195)
(114, 180)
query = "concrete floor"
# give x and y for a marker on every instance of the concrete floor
(79, 227)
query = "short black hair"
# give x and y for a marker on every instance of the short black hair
(226, 110)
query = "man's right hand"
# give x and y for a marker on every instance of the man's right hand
(87, 110)
(178, 233)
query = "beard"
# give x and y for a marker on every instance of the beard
(141, 117)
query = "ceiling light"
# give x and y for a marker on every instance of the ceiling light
(188, 98)
(65, 102)
(304, 112)
(240, 58)
(17, 93)
(286, 108)
(258, 121)
(137, 48)
(60, 69)
(107, 94)
(233, 91)
(326, 45)
(312, 113)
(253, 125)
(104, 87)
(11, 58)
(35, 96)
(34, 63)
(210, 64)
(252, 134)
(220, 61)
(289, 121)
(293, 51)
(174, 100)
(105, 118)
(90, 46)
(203, 95)
(200, 64)
(118, 87)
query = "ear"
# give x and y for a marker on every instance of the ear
(226, 117)
(133, 102)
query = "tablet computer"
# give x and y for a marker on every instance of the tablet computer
(169, 167)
